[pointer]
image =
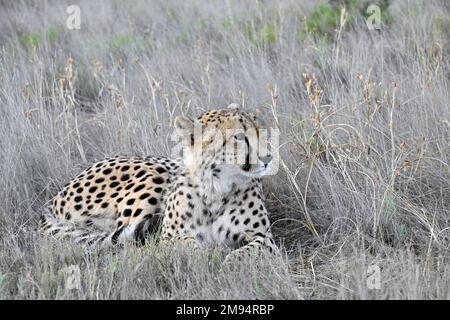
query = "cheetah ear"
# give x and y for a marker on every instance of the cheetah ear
(233, 105)
(184, 126)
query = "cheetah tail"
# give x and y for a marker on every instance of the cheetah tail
(50, 225)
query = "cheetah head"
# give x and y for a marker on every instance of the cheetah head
(229, 140)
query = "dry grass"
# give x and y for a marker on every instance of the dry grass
(364, 152)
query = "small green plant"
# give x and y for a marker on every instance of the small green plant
(183, 37)
(204, 23)
(173, 14)
(51, 35)
(402, 230)
(302, 129)
(229, 22)
(119, 41)
(30, 40)
(268, 33)
(323, 19)
(123, 40)
(259, 34)
(389, 205)
(2, 280)
(113, 266)
(216, 260)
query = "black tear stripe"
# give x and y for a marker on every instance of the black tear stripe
(247, 156)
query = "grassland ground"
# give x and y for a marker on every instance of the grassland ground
(362, 189)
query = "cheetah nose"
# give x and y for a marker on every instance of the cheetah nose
(266, 159)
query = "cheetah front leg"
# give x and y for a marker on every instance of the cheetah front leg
(256, 244)
(188, 240)
(181, 238)
(172, 227)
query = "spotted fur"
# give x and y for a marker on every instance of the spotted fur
(201, 198)
(118, 198)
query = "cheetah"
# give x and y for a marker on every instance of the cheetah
(211, 196)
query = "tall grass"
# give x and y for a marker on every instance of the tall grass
(364, 151)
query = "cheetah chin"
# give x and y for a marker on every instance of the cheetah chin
(259, 172)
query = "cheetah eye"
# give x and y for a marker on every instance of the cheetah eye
(239, 136)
